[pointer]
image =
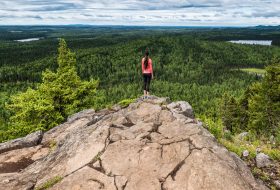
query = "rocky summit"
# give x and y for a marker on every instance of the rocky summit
(152, 144)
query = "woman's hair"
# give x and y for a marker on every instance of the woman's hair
(146, 58)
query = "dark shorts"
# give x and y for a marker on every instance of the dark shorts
(147, 80)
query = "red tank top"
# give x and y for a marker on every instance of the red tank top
(149, 68)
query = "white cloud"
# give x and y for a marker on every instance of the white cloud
(141, 12)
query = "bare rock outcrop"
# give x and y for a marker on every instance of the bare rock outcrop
(30, 140)
(152, 144)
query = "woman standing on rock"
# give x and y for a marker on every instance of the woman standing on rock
(147, 71)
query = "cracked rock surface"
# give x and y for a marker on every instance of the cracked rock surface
(150, 145)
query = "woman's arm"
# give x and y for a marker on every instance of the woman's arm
(142, 63)
(152, 69)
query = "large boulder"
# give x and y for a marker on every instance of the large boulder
(82, 114)
(277, 184)
(181, 107)
(30, 140)
(242, 136)
(262, 160)
(148, 145)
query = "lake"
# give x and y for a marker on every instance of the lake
(253, 42)
(16, 31)
(28, 40)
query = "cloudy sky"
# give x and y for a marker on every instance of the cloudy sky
(141, 12)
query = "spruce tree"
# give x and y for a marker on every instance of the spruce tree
(243, 109)
(60, 94)
(230, 113)
(264, 104)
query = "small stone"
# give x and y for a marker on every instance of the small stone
(242, 136)
(258, 150)
(245, 153)
(199, 123)
(116, 107)
(277, 184)
(262, 160)
(6, 181)
(115, 137)
(164, 107)
(120, 182)
(272, 139)
(161, 179)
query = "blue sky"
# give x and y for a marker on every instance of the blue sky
(141, 12)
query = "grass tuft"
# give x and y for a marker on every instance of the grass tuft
(51, 182)
(124, 103)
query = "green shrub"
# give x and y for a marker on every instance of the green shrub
(260, 174)
(232, 147)
(252, 136)
(277, 137)
(52, 145)
(272, 153)
(239, 148)
(214, 127)
(124, 103)
(228, 136)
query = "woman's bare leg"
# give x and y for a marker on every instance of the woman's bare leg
(148, 85)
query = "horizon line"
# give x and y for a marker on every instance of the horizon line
(123, 25)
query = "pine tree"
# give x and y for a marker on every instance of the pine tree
(69, 92)
(60, 94)
(243, 110)
(230, 113)
(257, 109)
(264, 104)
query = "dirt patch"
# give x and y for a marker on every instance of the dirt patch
(11, 167)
